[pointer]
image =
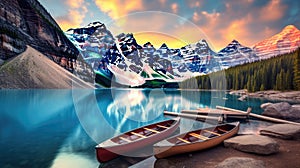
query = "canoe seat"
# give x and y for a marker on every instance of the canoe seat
(125, 139)
(183, 140)
(137, 134)
(222, 130)
(212, 132)
(161, 126)
(152, 130)
(198, 136)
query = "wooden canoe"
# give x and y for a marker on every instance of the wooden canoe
(135, 139)
(195, 140)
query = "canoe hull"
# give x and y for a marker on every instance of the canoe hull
(166, 151)
(106, 153)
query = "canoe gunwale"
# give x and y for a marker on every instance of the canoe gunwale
(106, 153)
(114, 144)
(199, 141)
(163, 151)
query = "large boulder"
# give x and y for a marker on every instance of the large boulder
(283, 131)
(282, 110)
(293, 114)
(253, 144)
(237, 162)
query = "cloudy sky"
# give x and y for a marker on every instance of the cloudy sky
(183, 21)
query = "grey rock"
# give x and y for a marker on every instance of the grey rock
(239, 92)
(265, 105)
(243, 98)
(253, 144)
(282, 110)
(294, 113)
(276, 110)
(237, 162)
(282, 131)
(296, 106)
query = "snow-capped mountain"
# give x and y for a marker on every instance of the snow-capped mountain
(199, 57)
(286, 41)
(236, 54)
(122, 60)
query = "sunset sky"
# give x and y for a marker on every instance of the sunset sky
(180, 22)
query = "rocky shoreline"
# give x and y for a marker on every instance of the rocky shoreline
(292, 96)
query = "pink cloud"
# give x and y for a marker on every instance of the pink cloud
(193, 4)
(196, 17)
(174, 7)
(273, 11)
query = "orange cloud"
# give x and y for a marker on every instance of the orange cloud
(74, 4)
(239, 30)
(194, 4)
(118, 8)
(174, 7)
(73, 19)
(75, 16)
(273, 11)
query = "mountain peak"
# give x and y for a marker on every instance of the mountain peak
(202, 42)
(284, 42)
(290, 27)
(235, 41)
(148, 45)
(164, 46)
(95, 24)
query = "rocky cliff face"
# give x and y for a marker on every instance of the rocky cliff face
(26, 22)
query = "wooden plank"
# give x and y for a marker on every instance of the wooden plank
(152, 130)
(183, 140)
(137, 134)
(198, 136)
(262, 117)
(234, 110)
(212, 132)
(203, 117)
(161, 126)
(124, 139)
(214, 112)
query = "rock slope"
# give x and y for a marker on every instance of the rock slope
(26, 22)
(32, 69)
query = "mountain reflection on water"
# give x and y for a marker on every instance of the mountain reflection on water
(60, 128)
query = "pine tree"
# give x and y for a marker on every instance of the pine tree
(296, 70)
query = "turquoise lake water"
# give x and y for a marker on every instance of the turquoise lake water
(60, 128)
